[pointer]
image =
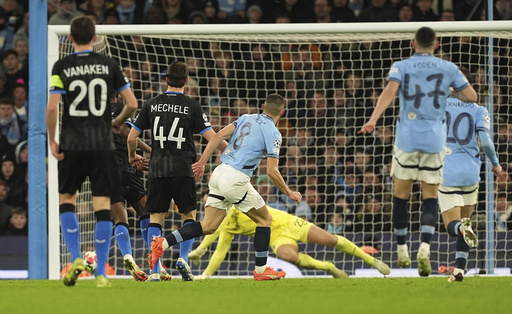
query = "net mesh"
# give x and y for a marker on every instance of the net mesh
(331, 83)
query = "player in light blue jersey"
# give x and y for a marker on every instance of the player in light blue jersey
(251, 138)
(466, 121)
(424, 83)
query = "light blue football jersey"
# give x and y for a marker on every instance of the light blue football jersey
(464, 121)
(255, 137)
(425, 82)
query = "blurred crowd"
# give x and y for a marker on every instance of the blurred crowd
(330, 89)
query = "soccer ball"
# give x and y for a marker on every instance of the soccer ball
(90, 260)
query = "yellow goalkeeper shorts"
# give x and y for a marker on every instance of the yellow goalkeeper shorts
(296, 230)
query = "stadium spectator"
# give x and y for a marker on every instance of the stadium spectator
(20, 102)
(14, 71)
(340, 12)
(424, 11)
(336, 224)
(97, 7)
(447, 16)
(418, 155)
(179, 9)
(320, 118)
(378, 11)
(211, 10)
(503, 207)
(298, 10)
(22, 31)
(155, 15)
(356, 6)
(405, 13)
(282, 18)
(381, 148)
(228, 9)
(17, 223)
(21, 47)
(254, 14)
(322, 11)
(111, 17)
(5, 209)
(53, 8)
(12, 126)
(7, 30)
(66, 12)
(371, 218)
(16, 184)
(198, 17)
(267, 191)
(504, 9)
(302, 65)
(129, 12)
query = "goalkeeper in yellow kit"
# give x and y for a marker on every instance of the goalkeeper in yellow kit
(287, 230)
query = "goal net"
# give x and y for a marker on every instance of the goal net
(331, 76)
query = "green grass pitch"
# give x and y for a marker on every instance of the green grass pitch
(432, 295)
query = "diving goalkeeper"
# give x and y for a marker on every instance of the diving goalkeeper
(287, 230)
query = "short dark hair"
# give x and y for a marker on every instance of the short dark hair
(274, 104)
(6, 101)
(425, 37)
(467, 74)
(177, 74)
(82, 30)
(9, 52)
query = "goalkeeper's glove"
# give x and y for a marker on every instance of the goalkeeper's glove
(196, 255)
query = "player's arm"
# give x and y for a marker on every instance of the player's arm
(223, 135)
(52, 116)
(128, 109)
(490, 152)
(277, 179)
(385, 99)
(208, 135)
(467, 94)
(131, 143)
(219, 255)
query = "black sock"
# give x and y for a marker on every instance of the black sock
(453, 227)
(261, 242)
(429, 217)
(400, 218)
(187, 232)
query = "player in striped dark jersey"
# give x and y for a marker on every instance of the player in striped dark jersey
(86, 81)
(458, 194)
(174, 119)
(423, 82)
(252, 137)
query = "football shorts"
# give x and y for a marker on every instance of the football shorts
(229, 186)
(453, 196)
(419, 166)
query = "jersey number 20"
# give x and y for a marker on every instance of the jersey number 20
(90, 89)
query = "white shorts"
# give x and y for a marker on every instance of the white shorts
(453, 196)
(418, 166)
(229, 186)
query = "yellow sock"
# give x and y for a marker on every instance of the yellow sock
(347, 246)
(306, 261)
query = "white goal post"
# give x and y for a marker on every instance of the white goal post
(340, 55)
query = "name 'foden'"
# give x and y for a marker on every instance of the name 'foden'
(169, 108)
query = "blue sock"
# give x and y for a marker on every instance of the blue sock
(123, 238)
(429, 217)
(154, 230)
(70, 230)
(144, 224)
(461, 255)
(102, 236)
(453, 228)
(186, 246)
(400, 218)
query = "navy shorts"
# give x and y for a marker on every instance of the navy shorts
(162, 190)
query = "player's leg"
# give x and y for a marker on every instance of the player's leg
(401, 194)
(320, 236)
(102, 232)
(71, 176)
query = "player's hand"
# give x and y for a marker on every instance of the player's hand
(198, 169)
(369, 127)
(497, 170)
(195, 255)
(143, 165)
(295, 196)
(136, 161)
(56, 151)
